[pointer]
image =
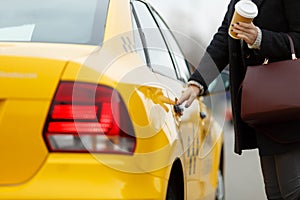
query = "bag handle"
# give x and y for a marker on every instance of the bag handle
(266, 61)
(292, 47)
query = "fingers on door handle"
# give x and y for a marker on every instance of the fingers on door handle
(178, 109)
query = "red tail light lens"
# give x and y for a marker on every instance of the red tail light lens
(88, 118)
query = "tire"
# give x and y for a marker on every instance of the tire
(220, 191)
(174, 192)
(171, 193)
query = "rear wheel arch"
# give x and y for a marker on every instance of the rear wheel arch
(175, 190)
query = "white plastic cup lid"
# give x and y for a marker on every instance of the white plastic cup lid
(246, 8)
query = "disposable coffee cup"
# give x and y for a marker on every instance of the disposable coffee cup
(245, 11)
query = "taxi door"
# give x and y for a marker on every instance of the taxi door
(190, 125)
(165, 59)
(193, 126)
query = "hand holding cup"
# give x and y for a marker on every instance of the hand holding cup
(241, 24)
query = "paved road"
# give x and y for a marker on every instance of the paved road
(243, 179)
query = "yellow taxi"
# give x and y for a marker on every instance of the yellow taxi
(87, 111)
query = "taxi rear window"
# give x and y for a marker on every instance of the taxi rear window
(55, 21)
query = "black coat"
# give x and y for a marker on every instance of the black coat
(275, 18)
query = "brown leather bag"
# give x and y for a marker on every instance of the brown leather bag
(271, 92)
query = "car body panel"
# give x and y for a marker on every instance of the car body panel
(201, 140)
(32, 84)
(22, 147)
(67, 176)
(117, 10)
(29, 78)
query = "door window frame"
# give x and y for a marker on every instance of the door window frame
(144, 42)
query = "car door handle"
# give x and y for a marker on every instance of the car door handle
(203, 115)
(178, 109)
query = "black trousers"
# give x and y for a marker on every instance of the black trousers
(281, 174)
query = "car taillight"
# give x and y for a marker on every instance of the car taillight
(88, 117)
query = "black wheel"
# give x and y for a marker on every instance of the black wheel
(175, 191)
(220, 192)
(171, 192)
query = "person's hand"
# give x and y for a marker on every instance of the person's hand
(189, 95)
(245, 31)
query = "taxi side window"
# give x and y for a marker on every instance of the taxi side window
(176, 52)
(159, 56)
(138, 42)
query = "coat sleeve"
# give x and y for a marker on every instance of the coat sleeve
(216, 57)
(275, 45)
